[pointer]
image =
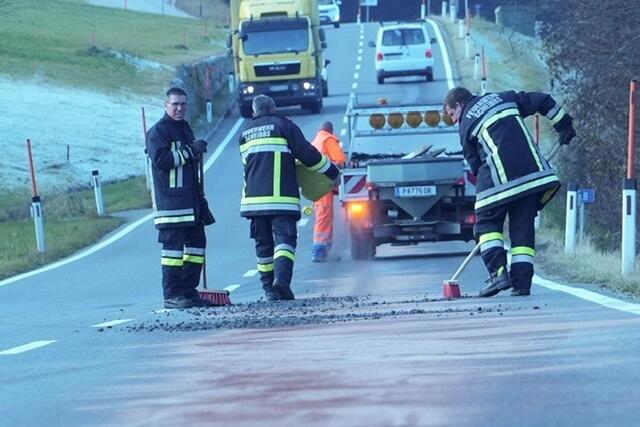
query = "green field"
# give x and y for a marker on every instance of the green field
(70, 218)
(53, 40)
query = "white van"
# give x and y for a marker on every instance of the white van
(330, 12)
(403, 49)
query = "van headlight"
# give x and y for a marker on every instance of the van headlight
(308, 85)
(248, 90)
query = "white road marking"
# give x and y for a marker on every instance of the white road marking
(360, 43)
(591, 296)
(356, 75)
(303, 222)
(358, 66)
(26, 347)
(343, 132)
(111, 323)
(359, 59)
(250, 273)
(344, 119)
(445, 55)
(354, 86)
(128, 229)
(232, 288)
(359, 51)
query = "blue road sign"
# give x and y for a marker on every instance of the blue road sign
(587, 195)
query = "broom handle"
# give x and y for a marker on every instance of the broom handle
(476, 249)
(204, 258)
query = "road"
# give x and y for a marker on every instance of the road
(366, 343)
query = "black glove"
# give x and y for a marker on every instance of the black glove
(198, 146)
(565, 130)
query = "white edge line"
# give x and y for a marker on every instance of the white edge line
(129, 228)
(26, 347)
(303, 222)
(163, 310)
(445, 54)
(232, 288)
(587, 295)
(250, 273)
(111, 323)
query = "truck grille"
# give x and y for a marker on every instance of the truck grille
(277, 69)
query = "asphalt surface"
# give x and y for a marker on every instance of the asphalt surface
(366, 342)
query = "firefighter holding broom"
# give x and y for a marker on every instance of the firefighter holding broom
(513, 177)
(181, 210)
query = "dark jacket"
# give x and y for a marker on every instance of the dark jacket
(501, 153)
(269, 146)
(175, 174)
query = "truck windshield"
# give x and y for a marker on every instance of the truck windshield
(275, 36)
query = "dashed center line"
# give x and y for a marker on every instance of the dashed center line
(111, 323)
(232, 288)
(356, 75)
(360, 51)
(26, 347)
(250, 273)
(358, 66)
(354, 86)
(343, 132)
(359, 58)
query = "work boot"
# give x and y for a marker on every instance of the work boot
(496, 283)
(178, 302)
(319, 253)
(270, 294)
(520, 292)
(284, 291)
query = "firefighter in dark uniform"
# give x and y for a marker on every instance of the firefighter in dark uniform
(513, 177)
(269, 146)
(180, 211)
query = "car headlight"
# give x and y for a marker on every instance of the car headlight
(308, 85)
(248, 90)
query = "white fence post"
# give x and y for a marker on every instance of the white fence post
(629, 225)
(571, 217)
(97, 190)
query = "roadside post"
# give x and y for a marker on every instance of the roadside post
(571, 218)
(467, 46)
(36, 205)
(209, 112)
(97, 191)
(629, 187)
(460, 28)
(586, 196)
(444, 9)
(483, 81)
(476, 67)
(452, 12)
(422, 10)
(147, 162)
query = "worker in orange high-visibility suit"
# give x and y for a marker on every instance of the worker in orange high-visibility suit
(326, 143)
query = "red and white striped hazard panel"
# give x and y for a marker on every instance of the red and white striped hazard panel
(354, 185)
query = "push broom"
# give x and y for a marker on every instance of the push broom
(216, 297)
(451, 287)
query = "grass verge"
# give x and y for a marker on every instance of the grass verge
(71, 222)
(54, 41)
(514, 63)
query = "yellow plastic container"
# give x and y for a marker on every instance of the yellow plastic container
(313, 185)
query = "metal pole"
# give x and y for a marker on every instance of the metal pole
(368, 13)
(581, 219)
(97, 191)
(570, 223)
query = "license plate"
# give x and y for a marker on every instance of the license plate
(416, 191)
(279, 88)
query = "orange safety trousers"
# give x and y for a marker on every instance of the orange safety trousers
(323, 228)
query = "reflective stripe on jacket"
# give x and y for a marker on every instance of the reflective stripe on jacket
(175, 174)
(501, 152)
(269, 146)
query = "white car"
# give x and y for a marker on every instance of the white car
(403, 49)
(330, 12)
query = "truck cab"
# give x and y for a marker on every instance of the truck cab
(277, 49)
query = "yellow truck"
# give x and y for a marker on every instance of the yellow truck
(277, 50)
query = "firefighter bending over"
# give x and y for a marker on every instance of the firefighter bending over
(269, 146)
(513, 177)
